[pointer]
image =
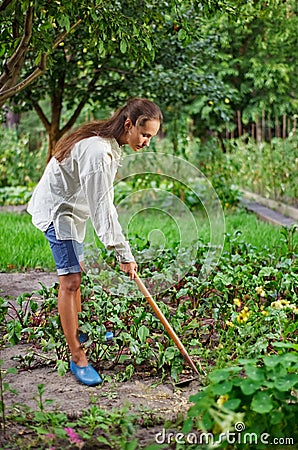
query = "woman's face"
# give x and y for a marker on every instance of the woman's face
(138, 137)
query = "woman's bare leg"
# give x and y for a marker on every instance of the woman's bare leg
(79, 299)
(69, 300)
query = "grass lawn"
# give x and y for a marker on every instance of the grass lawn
(24, 247)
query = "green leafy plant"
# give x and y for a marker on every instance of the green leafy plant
(4, 387)
(258, 393)
(246, 304)
(18, 165)
(15, 195)
(95, 427)
(265, 168)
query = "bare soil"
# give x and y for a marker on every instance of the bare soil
(141, 393)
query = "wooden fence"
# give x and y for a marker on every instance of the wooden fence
(264, 128)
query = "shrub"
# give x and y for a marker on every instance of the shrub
(250, 405)
(18, 165)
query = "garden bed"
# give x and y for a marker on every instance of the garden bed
(153, 400)
(238, 323)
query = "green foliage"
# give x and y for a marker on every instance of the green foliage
(245, 305)
(248, 400)
(50, 26)
(24, 247)
(247, 56)
(4, 387)
(204, 59)
(233, 323)
(132, 344)
(268, 169)
(166, 190)
(15, 195)
(18, 165)
(265, 168)
(96, 427)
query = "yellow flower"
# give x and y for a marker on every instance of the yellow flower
(265, 313)
(285, 303)
(243, 316)
(293, 308)
(222, 399)
(279, 304)
(260, 291)
(276, 304)
(229, 323)
(237, 302)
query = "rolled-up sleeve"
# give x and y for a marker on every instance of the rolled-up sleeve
(99, 193)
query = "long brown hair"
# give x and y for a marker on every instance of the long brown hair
(138, 110)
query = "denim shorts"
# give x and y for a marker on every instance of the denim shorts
(68, 254)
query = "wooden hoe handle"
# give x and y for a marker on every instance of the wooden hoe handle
(165, 323)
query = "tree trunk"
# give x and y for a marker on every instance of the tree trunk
(12, 119)
(52, 140)
(263, 126)
(57, 94)
(269, 128)
(258, 130)
(239, 123)
(284, 126)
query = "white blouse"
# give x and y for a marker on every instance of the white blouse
(79, 187)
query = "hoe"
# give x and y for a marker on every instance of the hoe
(169, 329)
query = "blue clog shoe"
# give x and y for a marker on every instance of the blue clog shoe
(86, 375)
(109, 335)
(83, 337)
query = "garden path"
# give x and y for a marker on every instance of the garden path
(269, 215)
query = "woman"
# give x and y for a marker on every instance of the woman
(78, 184)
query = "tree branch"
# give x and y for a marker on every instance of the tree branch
(22, 48)
(63, 35)
(4, 4)
(57, 97)
(39, 112)
(117, 70)
(23, 84)
(81, 105)
(7, 93)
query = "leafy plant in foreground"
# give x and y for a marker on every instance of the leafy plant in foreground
(95, 427)
(258, 393)
(4, 387)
